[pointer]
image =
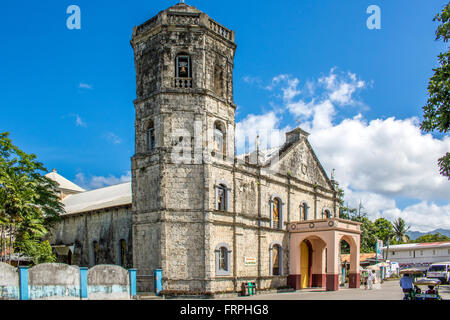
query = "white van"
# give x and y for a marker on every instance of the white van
(439, 270)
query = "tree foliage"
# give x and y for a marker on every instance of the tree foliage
(29, 203)
(400, 230)
(437, 110)
(437, 237)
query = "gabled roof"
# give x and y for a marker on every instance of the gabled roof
(63, 182)
(112, 196)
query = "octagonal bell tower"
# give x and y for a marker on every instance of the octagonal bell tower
(185, 118)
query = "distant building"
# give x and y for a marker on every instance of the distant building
(419, 254)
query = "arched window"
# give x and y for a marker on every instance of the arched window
(276, 212)
(222, 196)
(123, 252)
(304, 211)
(326, 213)
(94, 252)
(219, 138)
(276, 259)
(183, 73)
(222, 259)
(151, 136)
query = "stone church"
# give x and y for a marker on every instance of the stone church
(210, 219)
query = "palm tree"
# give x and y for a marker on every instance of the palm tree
(400, 229)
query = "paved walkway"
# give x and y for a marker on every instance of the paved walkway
(389, 290)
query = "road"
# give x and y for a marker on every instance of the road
(389, 290)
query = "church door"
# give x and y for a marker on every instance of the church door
(304, 264)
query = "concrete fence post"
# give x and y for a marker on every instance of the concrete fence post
(132, 273)
(83, 283)
(23, 283)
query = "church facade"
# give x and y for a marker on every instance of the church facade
(208, 218)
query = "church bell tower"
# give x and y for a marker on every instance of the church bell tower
(185, 121)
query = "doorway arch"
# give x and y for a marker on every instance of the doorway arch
(305, 264)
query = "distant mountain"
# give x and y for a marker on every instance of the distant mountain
(413, 235)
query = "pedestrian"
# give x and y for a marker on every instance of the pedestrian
(406, 284)
(370, 279)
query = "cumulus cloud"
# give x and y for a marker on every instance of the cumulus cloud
(265, 126)
(95, 182)
(376, 160)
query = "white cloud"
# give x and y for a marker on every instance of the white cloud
(110, 136)
(379, 160)
(79, 122)
(85, 86)
(265, 125)
(95, 182)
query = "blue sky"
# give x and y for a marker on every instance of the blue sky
(66, 95)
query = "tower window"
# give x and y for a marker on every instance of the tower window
(222, 196)
(222, 259)
(218, 80)
(219, 138)
(151, 136)
(183, 66)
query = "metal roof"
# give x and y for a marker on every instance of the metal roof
(97, 199)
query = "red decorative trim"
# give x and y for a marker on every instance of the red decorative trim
(332, 282)
(294, 281)
(354, 280)
(318, 280)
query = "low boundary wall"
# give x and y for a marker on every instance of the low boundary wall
(57, 281)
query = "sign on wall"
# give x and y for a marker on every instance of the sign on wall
(379, 249)
(249, 261)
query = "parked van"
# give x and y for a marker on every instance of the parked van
(439, 270)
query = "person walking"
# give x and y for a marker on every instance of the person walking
(406, 284)
(370, 279)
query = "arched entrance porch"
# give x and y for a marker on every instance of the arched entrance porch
(318, 258)
(354, 276)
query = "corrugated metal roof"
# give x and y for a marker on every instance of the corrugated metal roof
(107, 197)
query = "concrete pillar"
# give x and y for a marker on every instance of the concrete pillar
(133, 291)
(294, 277)
(332, 263)
(318, 276)
(83, 283)
(354, 275)
(23, 283)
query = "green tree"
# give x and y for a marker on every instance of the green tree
(437, 110)
(368, 234)
(384, 230)
(400, 229)
(29, 202)
(437, 237)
